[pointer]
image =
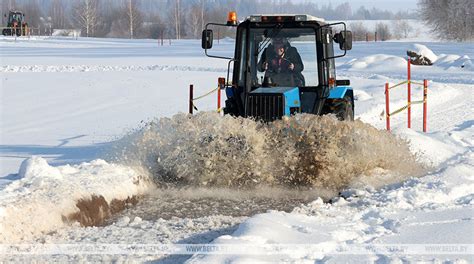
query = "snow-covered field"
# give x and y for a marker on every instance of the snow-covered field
(67, 104)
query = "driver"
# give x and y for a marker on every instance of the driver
(282, 64)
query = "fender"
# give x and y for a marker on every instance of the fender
(339, 92)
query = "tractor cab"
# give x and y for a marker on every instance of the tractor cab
(283, 65)
(15, 18)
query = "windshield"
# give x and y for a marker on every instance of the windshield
(282, 57)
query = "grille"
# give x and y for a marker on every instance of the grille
(266, 107)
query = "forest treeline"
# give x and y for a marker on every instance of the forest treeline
(169, 18)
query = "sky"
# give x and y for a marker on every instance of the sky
(392, 5)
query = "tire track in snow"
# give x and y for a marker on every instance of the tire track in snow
(459, 107)
(104, 68)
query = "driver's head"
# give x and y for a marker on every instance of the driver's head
(279, 45)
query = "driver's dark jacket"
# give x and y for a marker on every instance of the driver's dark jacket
(278, 66)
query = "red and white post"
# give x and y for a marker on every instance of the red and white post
(387, 106)
(219, 100)
(425, 110)
(221, 84)
(191, 88)
(409, 92)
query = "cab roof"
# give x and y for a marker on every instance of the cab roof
(297, 17)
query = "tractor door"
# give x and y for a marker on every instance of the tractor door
(328, 65)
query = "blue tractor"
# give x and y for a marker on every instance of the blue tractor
(283, 65)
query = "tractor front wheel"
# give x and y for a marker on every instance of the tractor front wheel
(342, 108)
(231, 107)
(345, 110)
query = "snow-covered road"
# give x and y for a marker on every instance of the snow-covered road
(72, 104)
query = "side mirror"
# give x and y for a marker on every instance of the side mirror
(344, 39)
(207, 38)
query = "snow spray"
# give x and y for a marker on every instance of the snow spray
(301, 151)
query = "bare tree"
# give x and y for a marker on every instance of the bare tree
(10, 4)
(406, 28)
(196, 19)
(5, 6)
(203, 4)
(359, 31)
(344, 10)
(85, 15)
(134, 17)
(3, 11)
(383, 32)
(33, 11)
(155, 28)
(401, 28)
(177, 18)
(57, 12)
(118, 29)
(450, 19)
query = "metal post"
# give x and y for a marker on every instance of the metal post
(162, 37)
(425, 110)
(387, 106)
(219, 100)
(191, 99)
(409, 93)
(221, 85)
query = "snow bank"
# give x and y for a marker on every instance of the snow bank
(45, 195)
(452, 62)
(380, 62)
(360, 95)
(438, 147)
(389, 64)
